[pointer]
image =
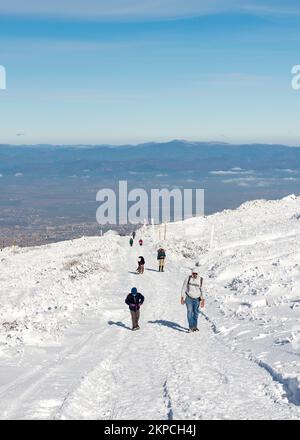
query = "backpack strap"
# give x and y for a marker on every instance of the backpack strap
(201, 281)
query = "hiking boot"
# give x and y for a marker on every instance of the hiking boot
(190, 330)
(134, 328)
(196, 329)
(138, 327)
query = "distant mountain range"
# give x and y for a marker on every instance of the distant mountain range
(203, 157)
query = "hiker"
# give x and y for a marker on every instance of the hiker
(131, 242)
(141, 265)
(133, 235)
(140, 242)
(134, 300)
(161, 256)
(192, 297)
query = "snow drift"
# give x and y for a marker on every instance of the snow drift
(65, 346)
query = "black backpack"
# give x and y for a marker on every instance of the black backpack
(161, 253)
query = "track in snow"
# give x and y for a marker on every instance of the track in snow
(160, 372)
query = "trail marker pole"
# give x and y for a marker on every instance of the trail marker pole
(212, 233)
(153, 228)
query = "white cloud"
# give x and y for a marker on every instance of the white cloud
(249, 181)
(261, 182)
(233, 171)
(235, 78)
(288, 170)
(72, 45)
(242, 179)
(124, 9)
(222, 173)
(107, 9)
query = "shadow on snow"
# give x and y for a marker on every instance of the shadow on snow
(172, 325)
(119, 324)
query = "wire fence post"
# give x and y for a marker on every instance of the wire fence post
(153, 228)
(212, 233)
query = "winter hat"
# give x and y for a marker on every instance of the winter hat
(134, 291)
(195, 270)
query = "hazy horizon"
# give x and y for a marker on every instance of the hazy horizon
(149, 142)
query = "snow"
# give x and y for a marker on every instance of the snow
(67, 352)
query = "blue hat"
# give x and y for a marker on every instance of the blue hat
(134, 291)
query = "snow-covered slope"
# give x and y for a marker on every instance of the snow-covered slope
(66, 349)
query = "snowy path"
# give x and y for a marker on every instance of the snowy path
(106, 371)
(163, 372)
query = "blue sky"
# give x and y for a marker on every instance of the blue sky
(124, 71)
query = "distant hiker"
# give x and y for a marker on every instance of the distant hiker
(140, 242)
(131, 242)
(161, 256)
(141, 265)
(133, 235)
(192, 297)
(134, 300)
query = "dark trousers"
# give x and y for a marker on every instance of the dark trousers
(141, 268)
(135, 316)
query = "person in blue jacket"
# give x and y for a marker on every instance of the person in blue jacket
(134, 300)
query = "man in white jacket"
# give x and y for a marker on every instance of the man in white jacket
(191, 295)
